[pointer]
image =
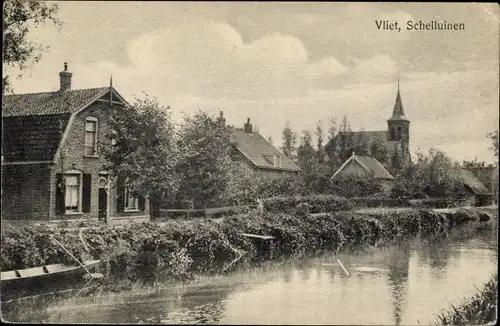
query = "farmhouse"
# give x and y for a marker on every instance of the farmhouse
(257, 153)
(365, 166)
(479, 194)
(396, 139)
(52, 168)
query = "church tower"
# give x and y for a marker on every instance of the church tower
(399, 128)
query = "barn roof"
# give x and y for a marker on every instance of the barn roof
(473, 183)
(369, 164)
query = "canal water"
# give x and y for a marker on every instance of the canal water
(407, 284)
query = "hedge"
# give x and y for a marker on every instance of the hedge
(316, 203)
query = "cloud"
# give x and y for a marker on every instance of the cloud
(209, 64)
(325, 67)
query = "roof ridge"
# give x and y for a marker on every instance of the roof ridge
(56, 91)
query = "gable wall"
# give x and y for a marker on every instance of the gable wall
(73, 151)
(354, 168)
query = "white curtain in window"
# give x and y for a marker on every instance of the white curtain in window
(130, 201)
(72, 192)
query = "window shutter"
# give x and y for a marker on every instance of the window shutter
(120, 191)
(142, 203)
(86, 192)
(60, 206)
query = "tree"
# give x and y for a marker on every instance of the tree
(331, 143)
(289, 142)
(473, 164)
(493, 136)
(306, 153)
(320, 150)
(18, 17)
(379, 151)
(142, 148)
(206, 161)
(349, 142)
(434, 175)
(396, 160)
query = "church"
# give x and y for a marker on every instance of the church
(396, 139)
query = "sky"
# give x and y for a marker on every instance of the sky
(297, 62)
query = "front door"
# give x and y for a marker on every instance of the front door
(103, 197)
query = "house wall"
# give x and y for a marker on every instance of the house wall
(26, 192)
(269, 174)
(72, 157)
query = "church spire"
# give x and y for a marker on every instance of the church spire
(111, 90)
(398, 113)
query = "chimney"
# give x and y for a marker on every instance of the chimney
(221, 120)
(248, 126)
(65, 79)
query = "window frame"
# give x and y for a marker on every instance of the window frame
(96, 133)
(125, 200)
(277, 161)
(79, 175)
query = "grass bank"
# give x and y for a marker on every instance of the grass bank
(178, 250)
(480, 309)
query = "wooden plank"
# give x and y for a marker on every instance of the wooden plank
(257, 236)
(181, 210)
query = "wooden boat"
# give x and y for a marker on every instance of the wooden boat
(57, 272)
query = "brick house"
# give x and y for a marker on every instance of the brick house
(52, 168)
(258, 154)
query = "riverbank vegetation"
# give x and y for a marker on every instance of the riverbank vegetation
(480, 309)
(177, 250)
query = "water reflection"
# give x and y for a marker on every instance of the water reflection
(315, 291)
(399, 263)
(438, 254)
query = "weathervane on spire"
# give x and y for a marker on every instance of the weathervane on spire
(398, 79)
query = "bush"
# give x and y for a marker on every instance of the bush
(435, 203)
(317, 203)
(148, 251)
(354, 186)
(380, 201)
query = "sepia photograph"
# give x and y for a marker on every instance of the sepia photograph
(246, 162)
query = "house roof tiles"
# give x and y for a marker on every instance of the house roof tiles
(369, 164)
(33, 138)
(256, 148)
(473, 183)
(49, 103)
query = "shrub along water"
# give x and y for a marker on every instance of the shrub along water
(477, 310)
(176, 250)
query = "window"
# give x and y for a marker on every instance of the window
(91, 136)
(277, 161)
(72, 198)
(131, 201)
